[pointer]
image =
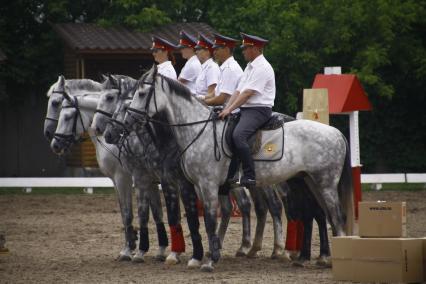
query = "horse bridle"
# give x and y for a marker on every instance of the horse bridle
(144, 114)
(70, 138)
(65, 95)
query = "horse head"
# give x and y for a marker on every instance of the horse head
(115, 129)
(105, 110)
(146, 103)
(55, 95)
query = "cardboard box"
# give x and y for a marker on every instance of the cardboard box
(382, 219)
(341, 257)
(315, 105)
(387, 260)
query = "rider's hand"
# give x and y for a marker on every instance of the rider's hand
(224, 113)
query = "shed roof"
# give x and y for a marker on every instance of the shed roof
(345, 92)
(91, 38)
(3, 56)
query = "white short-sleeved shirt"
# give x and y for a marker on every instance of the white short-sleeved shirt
(209, 75)
(190, 72)
(230, 75)
(166, 69)
(259, 77)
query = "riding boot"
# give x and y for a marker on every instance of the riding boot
(249, 177)
(230, 178)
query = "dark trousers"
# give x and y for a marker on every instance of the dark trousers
(252, 118)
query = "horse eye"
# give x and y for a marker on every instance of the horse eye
(55, 103)
(109, 98)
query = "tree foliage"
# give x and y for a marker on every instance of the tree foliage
(381, 41)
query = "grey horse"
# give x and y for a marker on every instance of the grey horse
(264, 200)
(317, 152)
(106, 158)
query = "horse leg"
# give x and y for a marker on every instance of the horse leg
(244, 204)
(189, 200)
(261, 210)
(324, 257)
(210, 203)
(305, 252)
(325, 193)
(225, 210)
(171, 195)
(275, 207)
(143, 200)
(123, 187)
(157, 214)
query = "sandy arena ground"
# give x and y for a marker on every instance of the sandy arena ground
(76, 239)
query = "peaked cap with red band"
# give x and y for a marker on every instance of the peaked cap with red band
(186, 40)
(161, 43)
(224, 41)
(250, 40)
(204, 42)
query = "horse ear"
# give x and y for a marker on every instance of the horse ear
(104, 77)
(61, 83)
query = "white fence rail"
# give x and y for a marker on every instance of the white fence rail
(88, 183)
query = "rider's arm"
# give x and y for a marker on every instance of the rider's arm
(240, 99)
(210, 91)
(217, 100)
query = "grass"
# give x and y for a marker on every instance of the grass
(396, 187)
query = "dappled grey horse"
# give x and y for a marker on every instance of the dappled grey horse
(317, 152)
(107, 161)
(159, 161)
(264, 200)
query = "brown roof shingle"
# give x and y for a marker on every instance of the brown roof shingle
(90, 38)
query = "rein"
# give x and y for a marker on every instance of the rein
(70, 138)
(144, 114)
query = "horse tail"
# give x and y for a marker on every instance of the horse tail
(345, 190)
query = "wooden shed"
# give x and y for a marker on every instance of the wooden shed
(91, 50)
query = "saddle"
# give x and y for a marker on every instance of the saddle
(267, 144)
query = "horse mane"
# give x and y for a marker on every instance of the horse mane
(87, 84)
(176, 87)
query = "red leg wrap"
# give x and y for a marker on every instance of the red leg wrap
(178, 242)
(291, 239)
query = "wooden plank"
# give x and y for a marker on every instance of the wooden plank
(56, 182)
(383, 178)
(416, 178)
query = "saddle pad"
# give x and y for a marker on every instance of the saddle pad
(268, 145)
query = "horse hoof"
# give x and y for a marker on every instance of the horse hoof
(207, 268)
(299, 263)
(283, 256)
(323, 261)
(294, 254)
(138, 258)
(172, 259)
(160, 257)
(240, 254)
(194, 263)
(252, 254)
(124, 257)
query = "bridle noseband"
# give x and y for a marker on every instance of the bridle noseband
(70, 138)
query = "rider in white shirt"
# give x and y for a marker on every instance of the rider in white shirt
(209, 76)
(191, 70)
(255, 96)
(230, 70)
(162, 52)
